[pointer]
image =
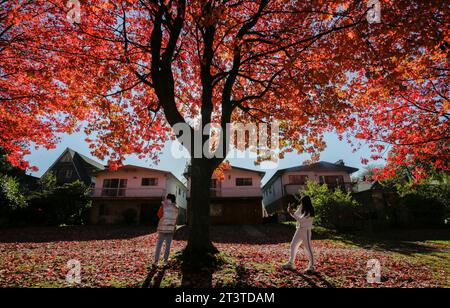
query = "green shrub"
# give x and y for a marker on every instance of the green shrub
(10, 196)
(334, 209)
(426, 204)
(423, 203)
(52, 204)
(12, 200)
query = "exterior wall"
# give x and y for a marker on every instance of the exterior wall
(232, 204)
(313, 176)
(281, 189)
(227, 187)
(145, 200)
(273, 192)
(174, 186)
(64, 170)
(235, 211)
(61, 169)
(134, 178)
(106, 211)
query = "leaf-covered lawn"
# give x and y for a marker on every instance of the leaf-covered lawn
(120, 256)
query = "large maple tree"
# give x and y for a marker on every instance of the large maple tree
(130, 70)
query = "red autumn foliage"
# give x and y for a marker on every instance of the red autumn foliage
(132, 69)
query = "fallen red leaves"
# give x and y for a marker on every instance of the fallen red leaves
(119, 257)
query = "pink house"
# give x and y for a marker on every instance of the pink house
(237, 199)
(133, 189)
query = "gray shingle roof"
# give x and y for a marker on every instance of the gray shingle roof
(86, 159)
(319, 166)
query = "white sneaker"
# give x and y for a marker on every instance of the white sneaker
(288, 266)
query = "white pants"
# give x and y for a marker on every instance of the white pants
(302, 235)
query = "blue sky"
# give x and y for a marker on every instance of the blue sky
(335, 150)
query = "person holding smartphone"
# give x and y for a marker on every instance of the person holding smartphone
(304, 217)
(166, 227)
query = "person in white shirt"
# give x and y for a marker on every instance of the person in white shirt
(166, 227)
(304, 216)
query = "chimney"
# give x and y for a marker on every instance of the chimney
(340, 162)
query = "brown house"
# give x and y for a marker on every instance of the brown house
(72, 166)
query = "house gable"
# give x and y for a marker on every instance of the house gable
(72, 166)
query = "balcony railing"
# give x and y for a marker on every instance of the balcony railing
(292, 189)
(241, 191)
(128, 192)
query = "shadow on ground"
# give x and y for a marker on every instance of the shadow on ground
(245, 234)
(72, 233)
(243, 276)
(401, 241)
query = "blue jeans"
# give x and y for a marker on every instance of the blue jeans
(163, 237)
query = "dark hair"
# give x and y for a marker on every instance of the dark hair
(172, 198)
(307, 207)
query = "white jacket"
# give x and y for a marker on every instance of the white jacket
(303, 221)
(168, 222)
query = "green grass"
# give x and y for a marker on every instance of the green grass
(48, 285)
(438, 242)
(438, 262)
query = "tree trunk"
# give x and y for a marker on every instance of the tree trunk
(199, 242)
(199, 255)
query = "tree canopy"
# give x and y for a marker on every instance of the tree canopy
(129, 70)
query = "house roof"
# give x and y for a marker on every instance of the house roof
(318, 166)
(147, 169)
(261, 173)
(79, 161)
(137, 167)
(86, 159)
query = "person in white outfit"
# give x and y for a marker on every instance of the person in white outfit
(166, 227)
(304, 216)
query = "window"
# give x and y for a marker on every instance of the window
(149, 182)
(68, 174)
(298, 179)
(244, 182)
(114, 187)
(332, 181)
